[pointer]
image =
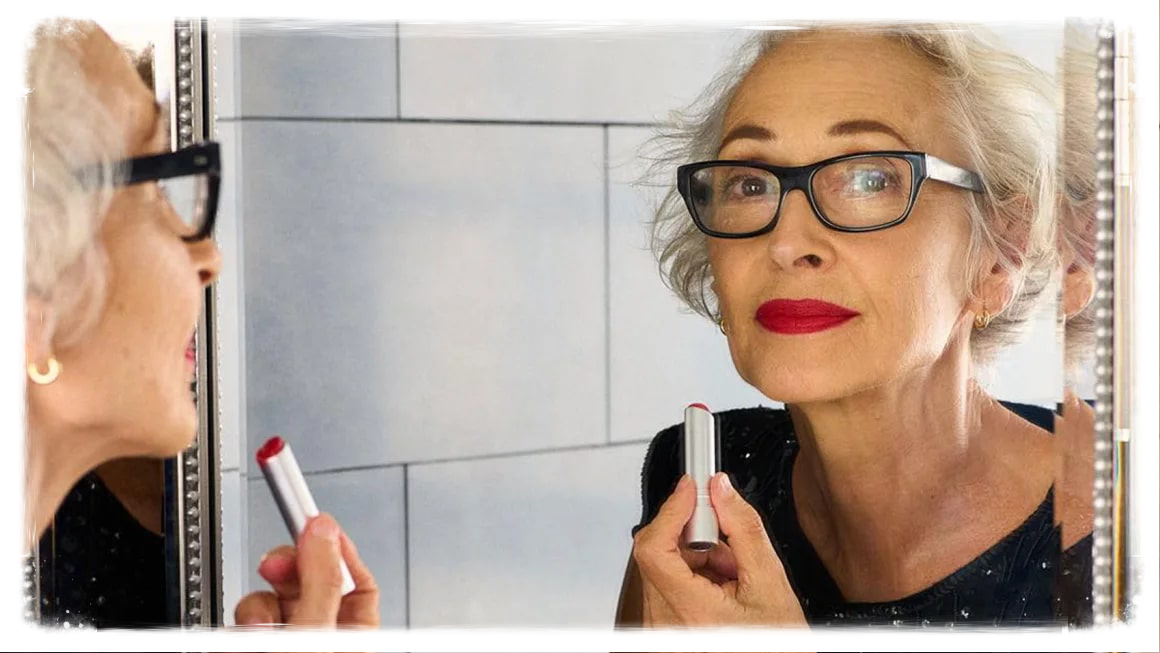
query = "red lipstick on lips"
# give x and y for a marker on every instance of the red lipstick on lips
(798, 316)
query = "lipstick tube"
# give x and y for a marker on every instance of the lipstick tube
(701, 464)
(293, 497)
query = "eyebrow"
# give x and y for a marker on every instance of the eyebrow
(854, 127)
(844, 128)
(747, 131)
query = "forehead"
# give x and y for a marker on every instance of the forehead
(118, 85)
(812, 81)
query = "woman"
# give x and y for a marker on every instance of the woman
(115, 272)
(871, 220)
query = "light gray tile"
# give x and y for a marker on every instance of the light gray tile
(316, 69)
(419, 292)
(368, 504)
(235, 562)
(228, 295)
(600, 74)
(535, 540)
(663, 357)
(223, 46)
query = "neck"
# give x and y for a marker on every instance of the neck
(878, 470)
(57, 456)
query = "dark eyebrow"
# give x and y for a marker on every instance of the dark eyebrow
(852, 127)
(747, 131)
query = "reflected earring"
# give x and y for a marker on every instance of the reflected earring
(721, 326)
(44, 378)
(982, 320)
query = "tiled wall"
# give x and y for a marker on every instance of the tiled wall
(437, 288)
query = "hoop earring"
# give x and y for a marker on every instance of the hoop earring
(44, 378)
(722, 327)
(982, 320)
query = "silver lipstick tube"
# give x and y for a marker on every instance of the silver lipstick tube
(292, 495)
(701, 464)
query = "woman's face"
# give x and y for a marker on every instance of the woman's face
(814, 97)
(130, 376)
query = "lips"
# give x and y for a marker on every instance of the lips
(190, 354)
(800, 316)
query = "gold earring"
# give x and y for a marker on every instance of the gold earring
(44, 378)
(721, 325)
(982, 320)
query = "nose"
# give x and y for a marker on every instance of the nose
(799, 241)
(206, 259)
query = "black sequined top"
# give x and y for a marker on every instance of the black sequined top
(98, 566)
(1010, 583)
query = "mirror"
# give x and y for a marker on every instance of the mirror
(440, 285)
(103, 561)
(438, 288)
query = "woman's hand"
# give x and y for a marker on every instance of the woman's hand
(741, 582)
(307, 584)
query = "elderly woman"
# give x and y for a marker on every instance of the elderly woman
(115, 269)
(867, 214)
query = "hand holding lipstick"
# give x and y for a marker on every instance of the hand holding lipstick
(307, 583)
(740, 582)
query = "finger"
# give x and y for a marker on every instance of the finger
(722, 562)
(755, 560)
(360, 608)
(258, 609)
(656, 547)
(279, 568)
(364, 580)
(319, 574)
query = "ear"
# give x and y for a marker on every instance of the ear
(993, 288)
(1079, 286)
(39, 325)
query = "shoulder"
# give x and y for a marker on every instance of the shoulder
(751, 438)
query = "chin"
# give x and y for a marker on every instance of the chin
(177, 432)
(802, 384)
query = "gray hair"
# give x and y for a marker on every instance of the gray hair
(1014, 154)
(67, 128)
(1077, 223)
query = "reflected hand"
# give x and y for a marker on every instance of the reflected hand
(307, 583)
(741, 582)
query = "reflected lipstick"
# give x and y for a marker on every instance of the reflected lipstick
(800, 316)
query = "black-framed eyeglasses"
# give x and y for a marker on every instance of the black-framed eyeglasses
(866, 191)
(190, 178)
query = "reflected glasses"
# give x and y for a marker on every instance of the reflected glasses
(190, 179)
(859, 192)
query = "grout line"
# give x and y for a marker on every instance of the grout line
(406, 550)
(486, 456)
(398, 73)
(607, 298)
(443, 121)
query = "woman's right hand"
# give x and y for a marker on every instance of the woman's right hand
(307, 583)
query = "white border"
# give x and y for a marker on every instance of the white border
(1141, 635)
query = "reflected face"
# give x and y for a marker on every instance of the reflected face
(815, 314)
(137, 363)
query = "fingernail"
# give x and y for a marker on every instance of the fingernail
(684, 482)
(324, 527)
(724, 484)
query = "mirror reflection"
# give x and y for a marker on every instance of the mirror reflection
(478, 279)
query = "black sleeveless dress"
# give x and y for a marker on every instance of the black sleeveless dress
(1011, 583)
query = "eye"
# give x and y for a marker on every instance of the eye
(747, 186)
(870, 181)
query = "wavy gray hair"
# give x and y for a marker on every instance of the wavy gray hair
(66, 128)
(1014, 154)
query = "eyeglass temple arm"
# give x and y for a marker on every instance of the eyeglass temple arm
(949, 173)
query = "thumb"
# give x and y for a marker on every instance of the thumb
(320, 576)
(742, 525)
